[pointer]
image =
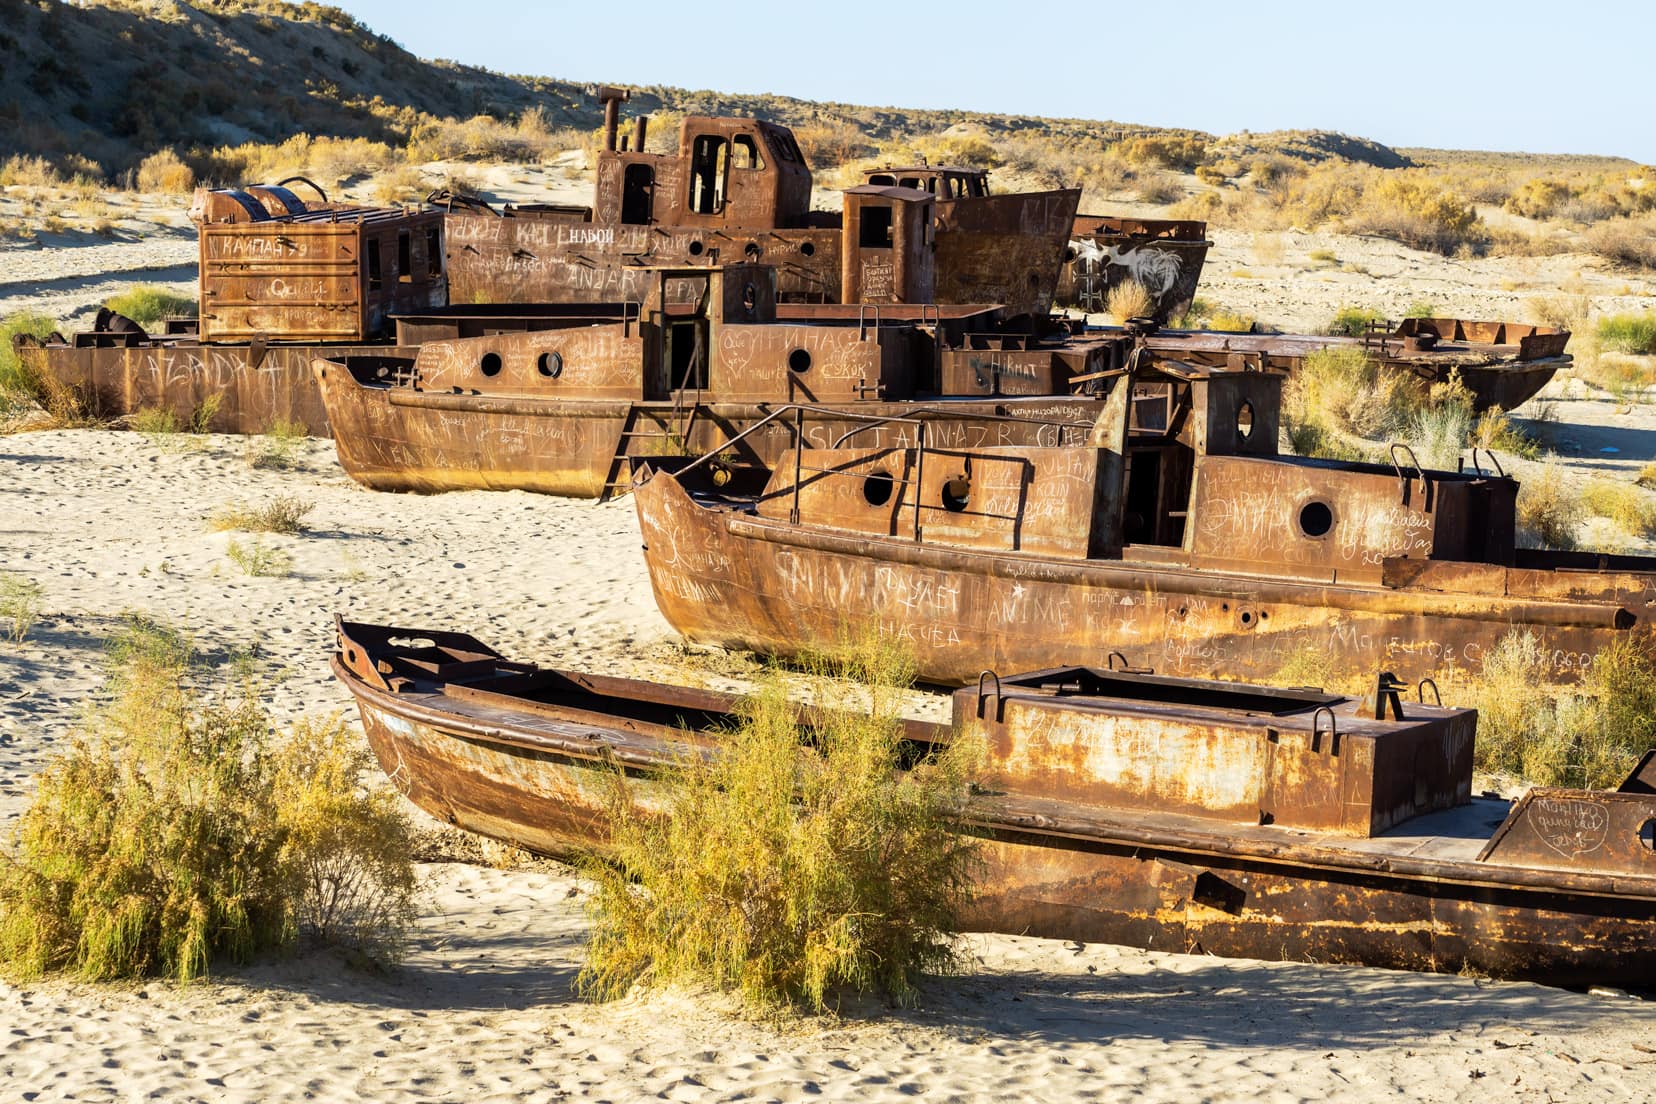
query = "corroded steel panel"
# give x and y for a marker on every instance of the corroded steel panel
(1162, 256)
(1614, 833)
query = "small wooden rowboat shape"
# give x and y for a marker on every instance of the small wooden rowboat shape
(1114, 806)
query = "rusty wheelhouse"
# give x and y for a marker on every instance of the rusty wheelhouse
(1113, 806)
(1177, 536)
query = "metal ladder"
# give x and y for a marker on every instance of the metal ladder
(618, 479)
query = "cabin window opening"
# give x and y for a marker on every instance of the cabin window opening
(799, 361)
(785, 146)
(911, 182)
(637, 186)
(885, 179)
(490, 364)
(1244, 421)
(376, 276)
(709, 160)
(877, 488)
(405, 257)
(550, 364)
(688, 356)
(957, 493)
(977, 187)
(744, 153)
(434, 251)
(874, 231)
(1316, 518)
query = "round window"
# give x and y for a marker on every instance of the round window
(877, 488)
(490, 364)
(957, 492)
(1316, 519)
(550, 365)
(696, 248)
(799, 361)
(807, 249)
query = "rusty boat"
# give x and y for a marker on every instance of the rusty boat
(739, 189)
(282, 279)
(1112, 806)
(568, 399)
(1177, 536)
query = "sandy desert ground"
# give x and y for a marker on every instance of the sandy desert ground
(483, 1009)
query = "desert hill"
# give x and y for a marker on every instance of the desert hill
(108, 82)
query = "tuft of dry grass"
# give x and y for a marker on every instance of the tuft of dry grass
(163, 171)
(20, 602)
(259, 559)
(1626, 241)
(1634, 334)
(1549, 512)
(1129, 299)
(282, 514)
(1628, 506)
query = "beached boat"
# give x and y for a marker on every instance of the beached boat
(569, 403)
(1162, 256)
(1112, 806)
(1178, 536)
(738, 189)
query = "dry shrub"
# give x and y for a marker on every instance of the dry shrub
(403, 184)
(828, 145)
(956, 149)
(1563, 311)
(484, 138)
(1339, 400)
(1159, 190)
(258, 559)
(163, 171)
(1129, 299)
(1627, 241)
(1167, 151)
(30, 171)
(282, 514)
(1538, 198)
(1534, 731)
(18, 376)
(1647, 476)
(20, 602)
(1549, 512)
(1415, 211)
(1626, 505)
(795, 864)
(277, 448)
(175, 833)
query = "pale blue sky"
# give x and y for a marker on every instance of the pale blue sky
(1553, 78)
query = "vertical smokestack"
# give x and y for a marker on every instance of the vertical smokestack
(638, 140)
(612, 99)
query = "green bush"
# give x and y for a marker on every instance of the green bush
(1628, 333)
(1587, 738)
(147, 304)
(17, 375)
(174, 833)
(1353, 321)
(795, 864)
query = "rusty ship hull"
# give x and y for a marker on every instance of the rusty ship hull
(1163, 256)
(531, 757)
(722, 575)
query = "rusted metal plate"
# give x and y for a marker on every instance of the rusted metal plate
(326, 276)
(248, 388)
(1224, 751)
(1613, 833)
(533, 757)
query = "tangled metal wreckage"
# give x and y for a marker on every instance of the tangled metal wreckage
(1112, 806)
(1175, 534)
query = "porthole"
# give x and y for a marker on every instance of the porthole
(957, 492)
(1244, 421)
(807, 249)
(1069, 254)
(550, 365)
(1647, 834)
(696, 248)
(752, 251)
(799, 361)
(877, 488)
(1246, 618)
(490, 364)
(1316, 519)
